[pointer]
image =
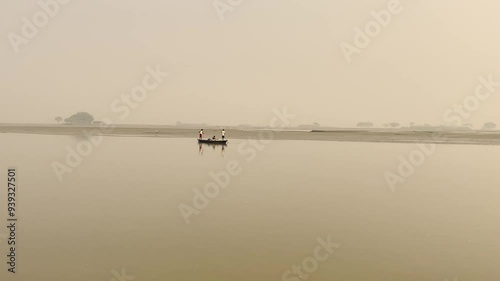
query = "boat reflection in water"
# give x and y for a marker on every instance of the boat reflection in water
(222, 146)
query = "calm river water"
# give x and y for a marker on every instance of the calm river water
(118, 212)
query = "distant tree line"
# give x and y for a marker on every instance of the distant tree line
(80, 118)
(489, 126)
(486, 126)
(365, 125)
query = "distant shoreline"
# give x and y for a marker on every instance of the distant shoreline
(340, 135)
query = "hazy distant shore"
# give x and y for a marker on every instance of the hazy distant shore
(344, 135)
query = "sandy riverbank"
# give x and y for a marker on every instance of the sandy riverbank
(346, 135)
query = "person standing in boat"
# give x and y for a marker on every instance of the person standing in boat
(201, 134)
(223, 134)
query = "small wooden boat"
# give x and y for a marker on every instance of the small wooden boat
(211, 141)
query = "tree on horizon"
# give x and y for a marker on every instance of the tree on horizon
(365, 124)
(395, 125)
(80, 118)
(489, 126)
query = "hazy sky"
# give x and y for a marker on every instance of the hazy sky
(265, 54)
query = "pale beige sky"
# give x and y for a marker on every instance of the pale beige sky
(265, 54)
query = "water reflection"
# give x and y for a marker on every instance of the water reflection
(201, 147)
